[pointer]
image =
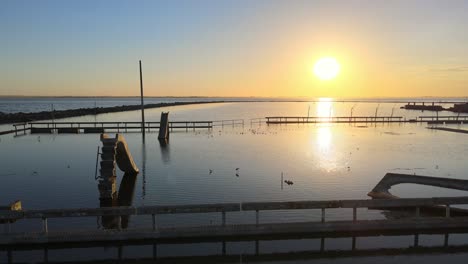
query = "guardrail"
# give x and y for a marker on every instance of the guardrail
(223, 208)
(231, 122)
(257, 121)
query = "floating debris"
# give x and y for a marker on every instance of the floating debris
(288, 182)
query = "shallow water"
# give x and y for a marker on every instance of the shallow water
(325, 162)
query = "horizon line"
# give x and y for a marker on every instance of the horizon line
(243, 97)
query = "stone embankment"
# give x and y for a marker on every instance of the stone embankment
(57, 114)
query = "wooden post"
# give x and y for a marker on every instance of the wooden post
(354, 214)
(323, 215)
(257, 220)
(142, 104)
(447, 210)
(224, 218)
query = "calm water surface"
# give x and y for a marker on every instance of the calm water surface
(337, 161)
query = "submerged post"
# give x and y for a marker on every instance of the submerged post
(142, 104)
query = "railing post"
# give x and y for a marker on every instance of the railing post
(155, 251)
(46, 255)
(224, 218)
(416, 240)
(257, 220)
(44, 225)
(323, 215)
(354, 214)
(353, 246)
(153, 216)
(446, 240)
(119, 222)
(447, 210)
(418, 211)
(10, 256)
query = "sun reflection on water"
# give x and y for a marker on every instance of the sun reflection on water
(325, 155)
(325, 109)
(324, 138)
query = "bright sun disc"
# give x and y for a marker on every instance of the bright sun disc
(326, 68)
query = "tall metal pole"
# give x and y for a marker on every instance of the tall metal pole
(142, 104)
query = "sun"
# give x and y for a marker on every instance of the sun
(326, 68)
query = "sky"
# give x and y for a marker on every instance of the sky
(234, 48)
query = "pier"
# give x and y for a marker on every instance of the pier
(445, 119)
(332, 119)
(118, 126)
(360, 119)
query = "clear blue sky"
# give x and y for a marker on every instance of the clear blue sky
(233, 48)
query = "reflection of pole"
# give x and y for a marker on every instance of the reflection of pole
(53, 112)
(376, 110)
(352, 110)
(281, 180)
(142, 104)
(143, 170)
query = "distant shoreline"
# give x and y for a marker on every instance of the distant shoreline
(22, 117)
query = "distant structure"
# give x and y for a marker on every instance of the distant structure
(423, 106)
(459, 108)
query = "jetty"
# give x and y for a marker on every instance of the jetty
(117, 126)
(458, 119)
(359, 119)
(332, 119)
(57, 114)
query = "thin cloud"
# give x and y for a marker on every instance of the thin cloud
(451, 69)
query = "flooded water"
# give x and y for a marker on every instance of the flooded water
(325, 162)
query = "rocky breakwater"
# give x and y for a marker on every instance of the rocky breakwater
(57, 114)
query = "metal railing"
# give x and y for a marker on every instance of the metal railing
(224, 208)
